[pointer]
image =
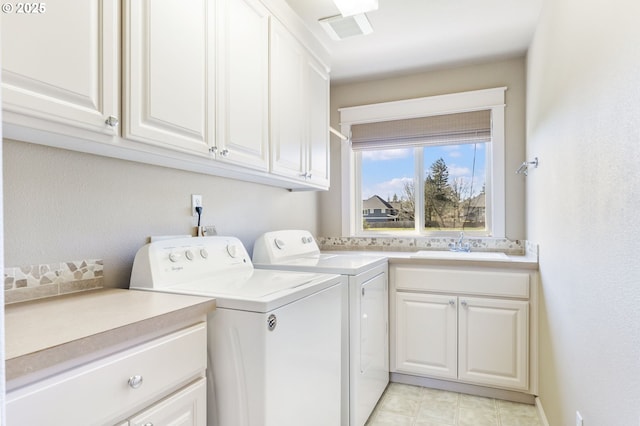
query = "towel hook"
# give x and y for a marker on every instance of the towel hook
(524, 167)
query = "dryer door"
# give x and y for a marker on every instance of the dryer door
(373, 368)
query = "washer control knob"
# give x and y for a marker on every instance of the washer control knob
(232, 250)
(304, 240)
(188, 254)
(174, 257)
(279, 243)
(204, 253)
(309, 239)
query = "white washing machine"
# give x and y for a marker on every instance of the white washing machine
(274, 340)
(366, 339)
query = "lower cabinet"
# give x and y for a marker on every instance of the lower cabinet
(473, 334)
(184, 408)
(156, 383)
(426, 334)
(493, 337)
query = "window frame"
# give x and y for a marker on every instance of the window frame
(486, 99)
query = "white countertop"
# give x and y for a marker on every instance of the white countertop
(51, 334)
(409, 257)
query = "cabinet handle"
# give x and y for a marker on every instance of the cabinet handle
(362, 291)
(224, 153)
(464, 303)
(112, 121)
(135, 381)
(452, 302)
(148, 424)
(213, 150)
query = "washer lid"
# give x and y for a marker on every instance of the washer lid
(257, 290)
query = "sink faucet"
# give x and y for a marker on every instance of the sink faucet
(460, 245)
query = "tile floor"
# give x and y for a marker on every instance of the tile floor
(402, 405)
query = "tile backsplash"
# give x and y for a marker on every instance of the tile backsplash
(31, 282)
(512, 247)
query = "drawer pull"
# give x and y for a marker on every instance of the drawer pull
(112, 121)
(135, 381)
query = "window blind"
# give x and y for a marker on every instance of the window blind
(449, 129)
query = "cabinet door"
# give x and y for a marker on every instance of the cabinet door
(493, 342)
(187, 407)
(318, 146)
(243, 84)
(65, 66)
(426, 334)
(168, 73)
(288, 111)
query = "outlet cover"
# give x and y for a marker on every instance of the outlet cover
(196, 201)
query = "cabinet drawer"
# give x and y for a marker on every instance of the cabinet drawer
(188, 407)
(99, 392)
(487, 283)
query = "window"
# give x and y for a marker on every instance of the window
(428, 166)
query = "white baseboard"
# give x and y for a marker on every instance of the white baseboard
(459, 387)
(543, 417)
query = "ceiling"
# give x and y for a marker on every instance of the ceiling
(417, 35)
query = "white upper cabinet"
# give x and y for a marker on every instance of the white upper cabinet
(62, 65)
(288, 139)
(232, 88)
(169, 73)
(243, 84)
(299, 111)
(318, 115)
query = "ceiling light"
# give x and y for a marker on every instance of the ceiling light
(339, 27)
(355, 7)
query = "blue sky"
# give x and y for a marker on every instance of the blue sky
(385, 172)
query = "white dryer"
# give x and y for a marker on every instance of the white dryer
(274, 340)
(366, 339)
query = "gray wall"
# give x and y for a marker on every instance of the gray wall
(583, 121)
(509, 73)
(62, 205)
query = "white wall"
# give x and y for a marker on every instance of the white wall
(2, 356)
(62, 205)
(509, 73)
(583, 205)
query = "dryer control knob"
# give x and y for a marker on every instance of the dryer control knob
(309, 239)
(232, 250)
(279, 243)
(204, 253)
(188, 254)
(304, 240)
(174, 257)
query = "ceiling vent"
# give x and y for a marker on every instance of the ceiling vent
(339, 27)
